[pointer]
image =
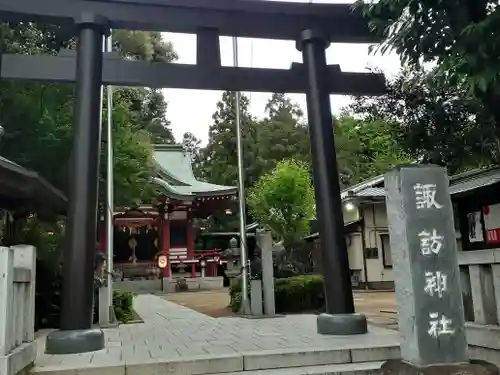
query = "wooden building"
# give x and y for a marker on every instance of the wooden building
(169, 226)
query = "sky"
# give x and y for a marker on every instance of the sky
(191, 110)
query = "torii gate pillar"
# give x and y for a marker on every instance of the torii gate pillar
(76, 334)
(340, 318)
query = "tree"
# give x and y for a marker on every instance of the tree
(38, 117)
(191, 145)
(458, 37)
(219, 157)
(133, 160)
(143, 45)
(148, 104)
(282, 134)
(283, 200)
(432, 121)
(279, 106)
(368, 147)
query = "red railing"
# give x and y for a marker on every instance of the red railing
(194, 257)
(207, 259)
(210, 255)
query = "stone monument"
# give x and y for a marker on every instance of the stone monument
(424, 255)
(265, 242)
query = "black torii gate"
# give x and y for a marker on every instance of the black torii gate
(312, 26)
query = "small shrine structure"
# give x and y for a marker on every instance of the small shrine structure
(169, 227)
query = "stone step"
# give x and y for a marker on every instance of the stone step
(286, 358)
(266, 362)
(361, 368)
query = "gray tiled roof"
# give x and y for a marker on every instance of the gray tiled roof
(474, 179)
(459, 183)
(361, 189)
(371, 192)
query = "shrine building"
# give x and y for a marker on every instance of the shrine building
(169, 227)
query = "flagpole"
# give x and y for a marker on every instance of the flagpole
(109, 188)
(245, 303)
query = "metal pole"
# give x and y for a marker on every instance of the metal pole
(82, 219)
(335, 265)
(109, 186)
(245, 303)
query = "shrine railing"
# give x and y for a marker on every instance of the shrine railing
(480, 279)
(179, 257)
(17, 308)
(183, 256)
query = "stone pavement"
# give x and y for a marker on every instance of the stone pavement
(171, 332)
(378, 306)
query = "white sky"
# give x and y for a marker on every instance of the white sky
(191, 110)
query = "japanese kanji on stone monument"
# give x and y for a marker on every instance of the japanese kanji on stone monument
(425, 265)
(424, 254)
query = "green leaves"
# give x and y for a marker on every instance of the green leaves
(457, 36)
(431, 118)
(282, 134)
(283, 200)
(38, 118)
(219, 157)
(366, 148)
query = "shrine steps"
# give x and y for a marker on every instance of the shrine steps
(339, 360)
(311, 361)
(362, 368)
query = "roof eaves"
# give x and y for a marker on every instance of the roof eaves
(172, 191)
(473, 181)
(362, 185)
(316, 234)
(212, 193)
(473, 173)
(168, 147)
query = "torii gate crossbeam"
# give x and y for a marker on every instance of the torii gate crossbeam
(118, 72)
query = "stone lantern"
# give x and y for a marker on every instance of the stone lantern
(232, 256)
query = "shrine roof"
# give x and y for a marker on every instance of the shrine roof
(23, 188)
(176, 178)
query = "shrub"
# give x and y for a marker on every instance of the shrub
(46, 238)
(235, 294)
(293, 294)
(299, 294)
(122, 303)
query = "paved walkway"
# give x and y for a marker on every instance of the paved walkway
(174, 332)
(379, 307)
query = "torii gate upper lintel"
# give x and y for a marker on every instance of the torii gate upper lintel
(340, 23)
(312, 26)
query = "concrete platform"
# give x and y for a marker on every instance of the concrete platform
(176, 340)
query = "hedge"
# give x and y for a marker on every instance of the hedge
(292, 294)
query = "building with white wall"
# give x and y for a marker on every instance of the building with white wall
(367, 232)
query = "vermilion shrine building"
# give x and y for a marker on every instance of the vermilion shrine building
(143, 233)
